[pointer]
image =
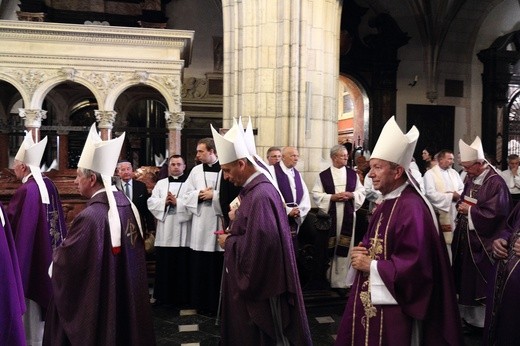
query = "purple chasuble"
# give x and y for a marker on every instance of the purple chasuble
(413, 263)
(502, 304)
(340, 247)
(38, 229)
(259, 266)
(472, 262)
(100, 298)
(12, 302)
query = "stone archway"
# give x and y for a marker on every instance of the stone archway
(353, 112)
(101, 58)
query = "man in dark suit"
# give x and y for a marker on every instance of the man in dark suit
(137, 192)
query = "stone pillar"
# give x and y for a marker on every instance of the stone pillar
(175, 123)
(105, 121)
(33, 120)
(282, 69)
(63, 150)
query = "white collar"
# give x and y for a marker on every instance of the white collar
(24, 179)
(396, 192)
(98, 192)
(253, 176)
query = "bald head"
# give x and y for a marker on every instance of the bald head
(290, 156)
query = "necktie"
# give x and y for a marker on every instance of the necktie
(127, 190)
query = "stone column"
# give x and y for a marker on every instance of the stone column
(282, 69)
(33, 120)
(105, 121)
(175, 123)
(63, 150)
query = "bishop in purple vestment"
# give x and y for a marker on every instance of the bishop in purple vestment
(402, 292)
(38, 224)
(12, 304)
(503, 303)
(100, 287)
(262, 302)
(483, 210)
(100, 295)
(38, 229)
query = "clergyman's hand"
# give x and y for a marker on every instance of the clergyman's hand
(500, 248)
(360, 259)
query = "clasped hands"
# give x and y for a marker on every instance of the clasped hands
(171, 199)
(206, 194)
(342, 196)
(360, 259)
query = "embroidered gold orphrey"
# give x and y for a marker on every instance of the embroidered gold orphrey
(376, 251)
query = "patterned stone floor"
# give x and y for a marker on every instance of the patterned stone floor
(175, 327)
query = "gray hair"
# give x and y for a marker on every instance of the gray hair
(88, 172)
(336, 149)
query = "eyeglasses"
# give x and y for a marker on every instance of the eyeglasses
(466, 167)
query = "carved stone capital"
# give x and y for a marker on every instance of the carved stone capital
(105, 119)
(32, 117)
(174, 121)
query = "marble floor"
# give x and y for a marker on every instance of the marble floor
(185, 327)
(175, 327)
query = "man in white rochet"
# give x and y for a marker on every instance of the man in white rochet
(443, 187)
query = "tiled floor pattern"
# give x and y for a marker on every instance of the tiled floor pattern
(175, 327)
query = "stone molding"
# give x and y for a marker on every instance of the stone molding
(96, 34)
(101, 58)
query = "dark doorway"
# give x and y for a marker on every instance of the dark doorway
(435, 124)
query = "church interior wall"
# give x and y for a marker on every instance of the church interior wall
(206, 24)
(502, 19)
(455, 62)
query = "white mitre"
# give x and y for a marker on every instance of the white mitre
(231, 146)
(395, 146)
(101, 157)
(249, 136)
(31, 154)
(471, 152)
